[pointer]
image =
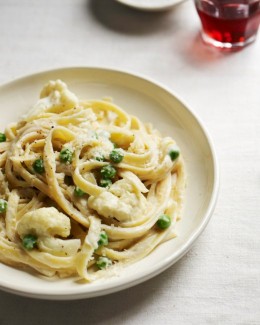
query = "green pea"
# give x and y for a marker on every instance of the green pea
(103, 239)
(105, 183)
(66, 156)
(174, 154)
(116, 156)
(103, 262)
(78, 192)
(108, 172)
(163, 222)
(2, 137)
(3, 205)
(38, 166)
(29, 242)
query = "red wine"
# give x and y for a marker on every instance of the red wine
(227, 22)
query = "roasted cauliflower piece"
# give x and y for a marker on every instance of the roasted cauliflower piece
(45, 224)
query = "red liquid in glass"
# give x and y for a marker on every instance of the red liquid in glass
(228, 22)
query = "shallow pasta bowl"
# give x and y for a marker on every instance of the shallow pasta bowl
(153, 103)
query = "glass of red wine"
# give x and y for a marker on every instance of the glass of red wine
(229, 24)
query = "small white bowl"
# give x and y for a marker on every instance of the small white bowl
(153, 103)
(151, 5)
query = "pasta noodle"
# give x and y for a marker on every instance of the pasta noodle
(85, 188)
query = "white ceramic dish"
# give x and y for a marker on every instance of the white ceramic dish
(152, 103)
(151, 5)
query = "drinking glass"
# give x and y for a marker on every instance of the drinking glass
(229, 24)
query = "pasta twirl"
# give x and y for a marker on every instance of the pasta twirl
(85, 188)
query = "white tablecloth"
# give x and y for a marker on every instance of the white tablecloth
(218, 281)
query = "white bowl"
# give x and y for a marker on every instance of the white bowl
(151, 102)
(151, 5)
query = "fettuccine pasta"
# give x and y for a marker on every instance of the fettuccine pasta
(85, 188)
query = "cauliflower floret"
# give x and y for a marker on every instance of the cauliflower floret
(54, 97)
(120, 202)
(59, 94)
(44, 222)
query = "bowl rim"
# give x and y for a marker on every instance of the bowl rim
(149, 7)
